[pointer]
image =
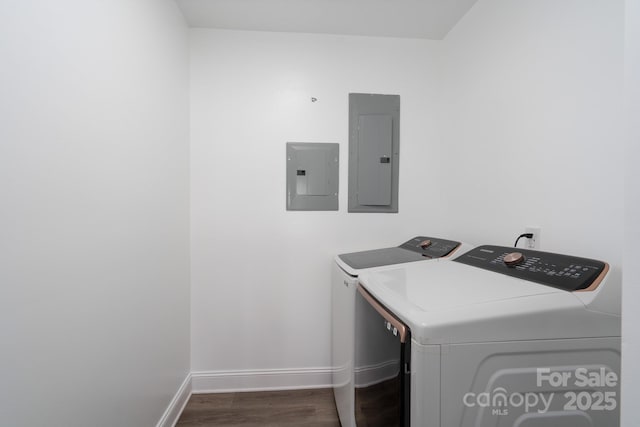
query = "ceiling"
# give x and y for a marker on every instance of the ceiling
(425, 19)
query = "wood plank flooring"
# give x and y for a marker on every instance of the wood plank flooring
(309, 408)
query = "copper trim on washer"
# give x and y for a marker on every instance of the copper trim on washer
(402, 329)
(593, 286)
(453, 251)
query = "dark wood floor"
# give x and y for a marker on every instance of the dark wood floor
(309, 408)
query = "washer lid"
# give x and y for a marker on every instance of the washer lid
(448, 302)
(439, 288)
(419, 248)
(380, 257)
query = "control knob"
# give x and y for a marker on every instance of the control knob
(512, 259)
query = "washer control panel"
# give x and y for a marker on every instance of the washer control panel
(430, 247)
(565, 272)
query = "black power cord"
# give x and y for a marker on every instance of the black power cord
(527, 235)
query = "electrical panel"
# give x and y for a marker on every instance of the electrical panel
(312, 176)
(374, 148)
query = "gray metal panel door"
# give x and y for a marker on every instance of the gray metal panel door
(374, 154)
(311, 172)
(374, 149)
(312, 176)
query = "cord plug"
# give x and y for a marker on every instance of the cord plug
(527, 235)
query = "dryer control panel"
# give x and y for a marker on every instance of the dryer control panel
(565, 272)
(430, 247)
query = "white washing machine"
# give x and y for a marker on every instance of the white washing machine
(347, 370)
(494, 338)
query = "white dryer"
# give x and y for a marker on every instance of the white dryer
(495, 338)
(347, 370)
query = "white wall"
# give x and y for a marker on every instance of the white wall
(260, 274)
(532, 106)
(94, 219)
(631, 291)
(95, 195)
(514, 82)
(534, 113)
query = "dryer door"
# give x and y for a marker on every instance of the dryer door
(382, 365)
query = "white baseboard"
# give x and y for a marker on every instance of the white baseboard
(260, 380)
(175, 408)
(245, 380)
